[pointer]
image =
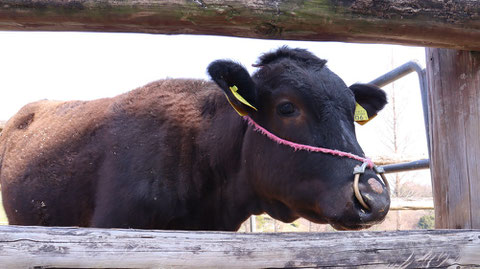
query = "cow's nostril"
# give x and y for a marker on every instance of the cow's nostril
(358, 195)
(368, 194)
(375, 185)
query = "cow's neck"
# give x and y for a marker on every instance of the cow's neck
(231, 200)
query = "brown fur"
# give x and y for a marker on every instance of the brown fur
(55, 140)
(53, 124)
(174, 155)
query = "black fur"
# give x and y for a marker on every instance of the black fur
(370, 97)
(227, 74)
(300, 56)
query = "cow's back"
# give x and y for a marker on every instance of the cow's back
(55, 153)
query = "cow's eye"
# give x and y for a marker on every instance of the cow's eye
(286, 109)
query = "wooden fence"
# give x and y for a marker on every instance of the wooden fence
(442, 24)
(451, 24)
(41, 247)
(453, 75)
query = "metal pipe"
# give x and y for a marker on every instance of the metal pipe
(402, 71)
(402, 167)
(395, 74)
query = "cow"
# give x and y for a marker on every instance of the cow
(176, 154)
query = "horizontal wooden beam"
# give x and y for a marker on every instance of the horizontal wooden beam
(411, 204)
(29, 247)
(449, 24)
(423, 203)
(387, 160)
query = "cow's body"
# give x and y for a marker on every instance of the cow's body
(170, 155)
(142, 153)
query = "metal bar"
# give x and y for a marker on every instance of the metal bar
(402, 71)
(395, 74)
(402, 167)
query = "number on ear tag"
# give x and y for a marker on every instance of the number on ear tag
(361, 115)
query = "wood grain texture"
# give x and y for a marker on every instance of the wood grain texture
(454, 101)
(450, 24)
(27, 247)
(411, 204)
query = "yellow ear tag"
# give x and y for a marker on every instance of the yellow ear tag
(234, 90)
(236, 109)
(361, 115)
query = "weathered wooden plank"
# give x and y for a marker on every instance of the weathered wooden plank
(23, 247)
(454, 103)
(451, 24)
(386, 160)
(411, 204)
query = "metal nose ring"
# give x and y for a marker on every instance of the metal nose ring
(360, 170)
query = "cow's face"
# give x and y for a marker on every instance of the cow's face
(294, 96)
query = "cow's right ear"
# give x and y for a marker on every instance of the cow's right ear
(236, 83)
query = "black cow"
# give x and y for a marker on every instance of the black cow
(175, 155)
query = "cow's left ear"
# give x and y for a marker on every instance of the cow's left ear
(236, 83)
(371, 98)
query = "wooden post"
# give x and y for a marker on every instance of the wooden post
(454, 112)
(253, 223)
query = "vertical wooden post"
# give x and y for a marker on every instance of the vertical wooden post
(454, 114)
(253, 223)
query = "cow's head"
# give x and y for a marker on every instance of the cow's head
(296, 97)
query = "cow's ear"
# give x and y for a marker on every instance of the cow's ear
(236, 83)
(370, 100)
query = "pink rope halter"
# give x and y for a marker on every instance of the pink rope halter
(297, 146)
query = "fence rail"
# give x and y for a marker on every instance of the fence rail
(411, 204)
(452, 24)
(32, 247)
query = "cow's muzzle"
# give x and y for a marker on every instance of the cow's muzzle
(372, 183)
